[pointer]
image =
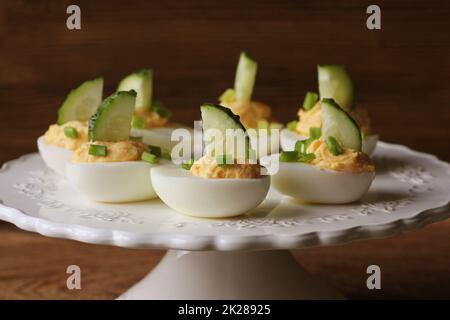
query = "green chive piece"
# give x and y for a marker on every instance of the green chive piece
(276, 125)
(138, 122)
(292, 125)
(310, 100)
(136, 138)
(155, 150)
(97, 150)
(70, 132)
(263, 124)
(149, 157)
(224, 159)
(333, 146)
(306, 157)
(301, 146)
(166, 155)
(161, 109)
(228, 96)
(288, 156)
(314, 133)
(188, 164)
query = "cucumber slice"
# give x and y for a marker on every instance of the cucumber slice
(245, 78)
(81, 102)
(335, 83)
(141, 82)
(112, 122)
(338, 124)
(217, 117)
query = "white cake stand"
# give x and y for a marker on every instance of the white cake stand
(241, 258)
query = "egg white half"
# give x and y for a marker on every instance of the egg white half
(55, 158)
(112, 181)
(207, 198)
(309, 183)
(289, 138)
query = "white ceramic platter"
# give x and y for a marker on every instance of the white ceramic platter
(410, 190)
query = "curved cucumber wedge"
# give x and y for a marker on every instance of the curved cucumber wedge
(112, 122)
(338, 124)
(245, 78)
(217, 117)
(81, 102)
(335, 83)
(141, 82)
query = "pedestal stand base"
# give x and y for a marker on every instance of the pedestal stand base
(229, 275)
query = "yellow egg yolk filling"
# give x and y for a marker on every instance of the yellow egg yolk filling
(349, 161)
(55, 135)
(207, 167)
(120, 151)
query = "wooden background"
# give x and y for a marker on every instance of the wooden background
(401, 74)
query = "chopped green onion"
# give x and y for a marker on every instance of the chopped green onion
(166, 155)
(301, 146)
(97, 150)
(70, 132)
(149, 157)
(292, 125)
(306, 157)
(187, 165)
(276, 125)
(288, 156)
(333, 146)
(160, 109)
(263, 124)
(136, 138)
(137, 122)
(224, 159)
(314, 133)
(310, 100)
(228, 96)
(155, 150)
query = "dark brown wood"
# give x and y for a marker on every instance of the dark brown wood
(402, 75)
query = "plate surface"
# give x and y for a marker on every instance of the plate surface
(411, 189)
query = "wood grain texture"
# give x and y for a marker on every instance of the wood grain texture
(401, 73)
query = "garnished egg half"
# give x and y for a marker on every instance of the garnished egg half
(209, 188)
(333, 170)
(70, 131)
(110, 167)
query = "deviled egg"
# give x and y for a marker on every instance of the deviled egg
(150, 120)
(335, 83)
(111, 167)
(328, 167)
(220, 183)
(70, 131)
(254, 115)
